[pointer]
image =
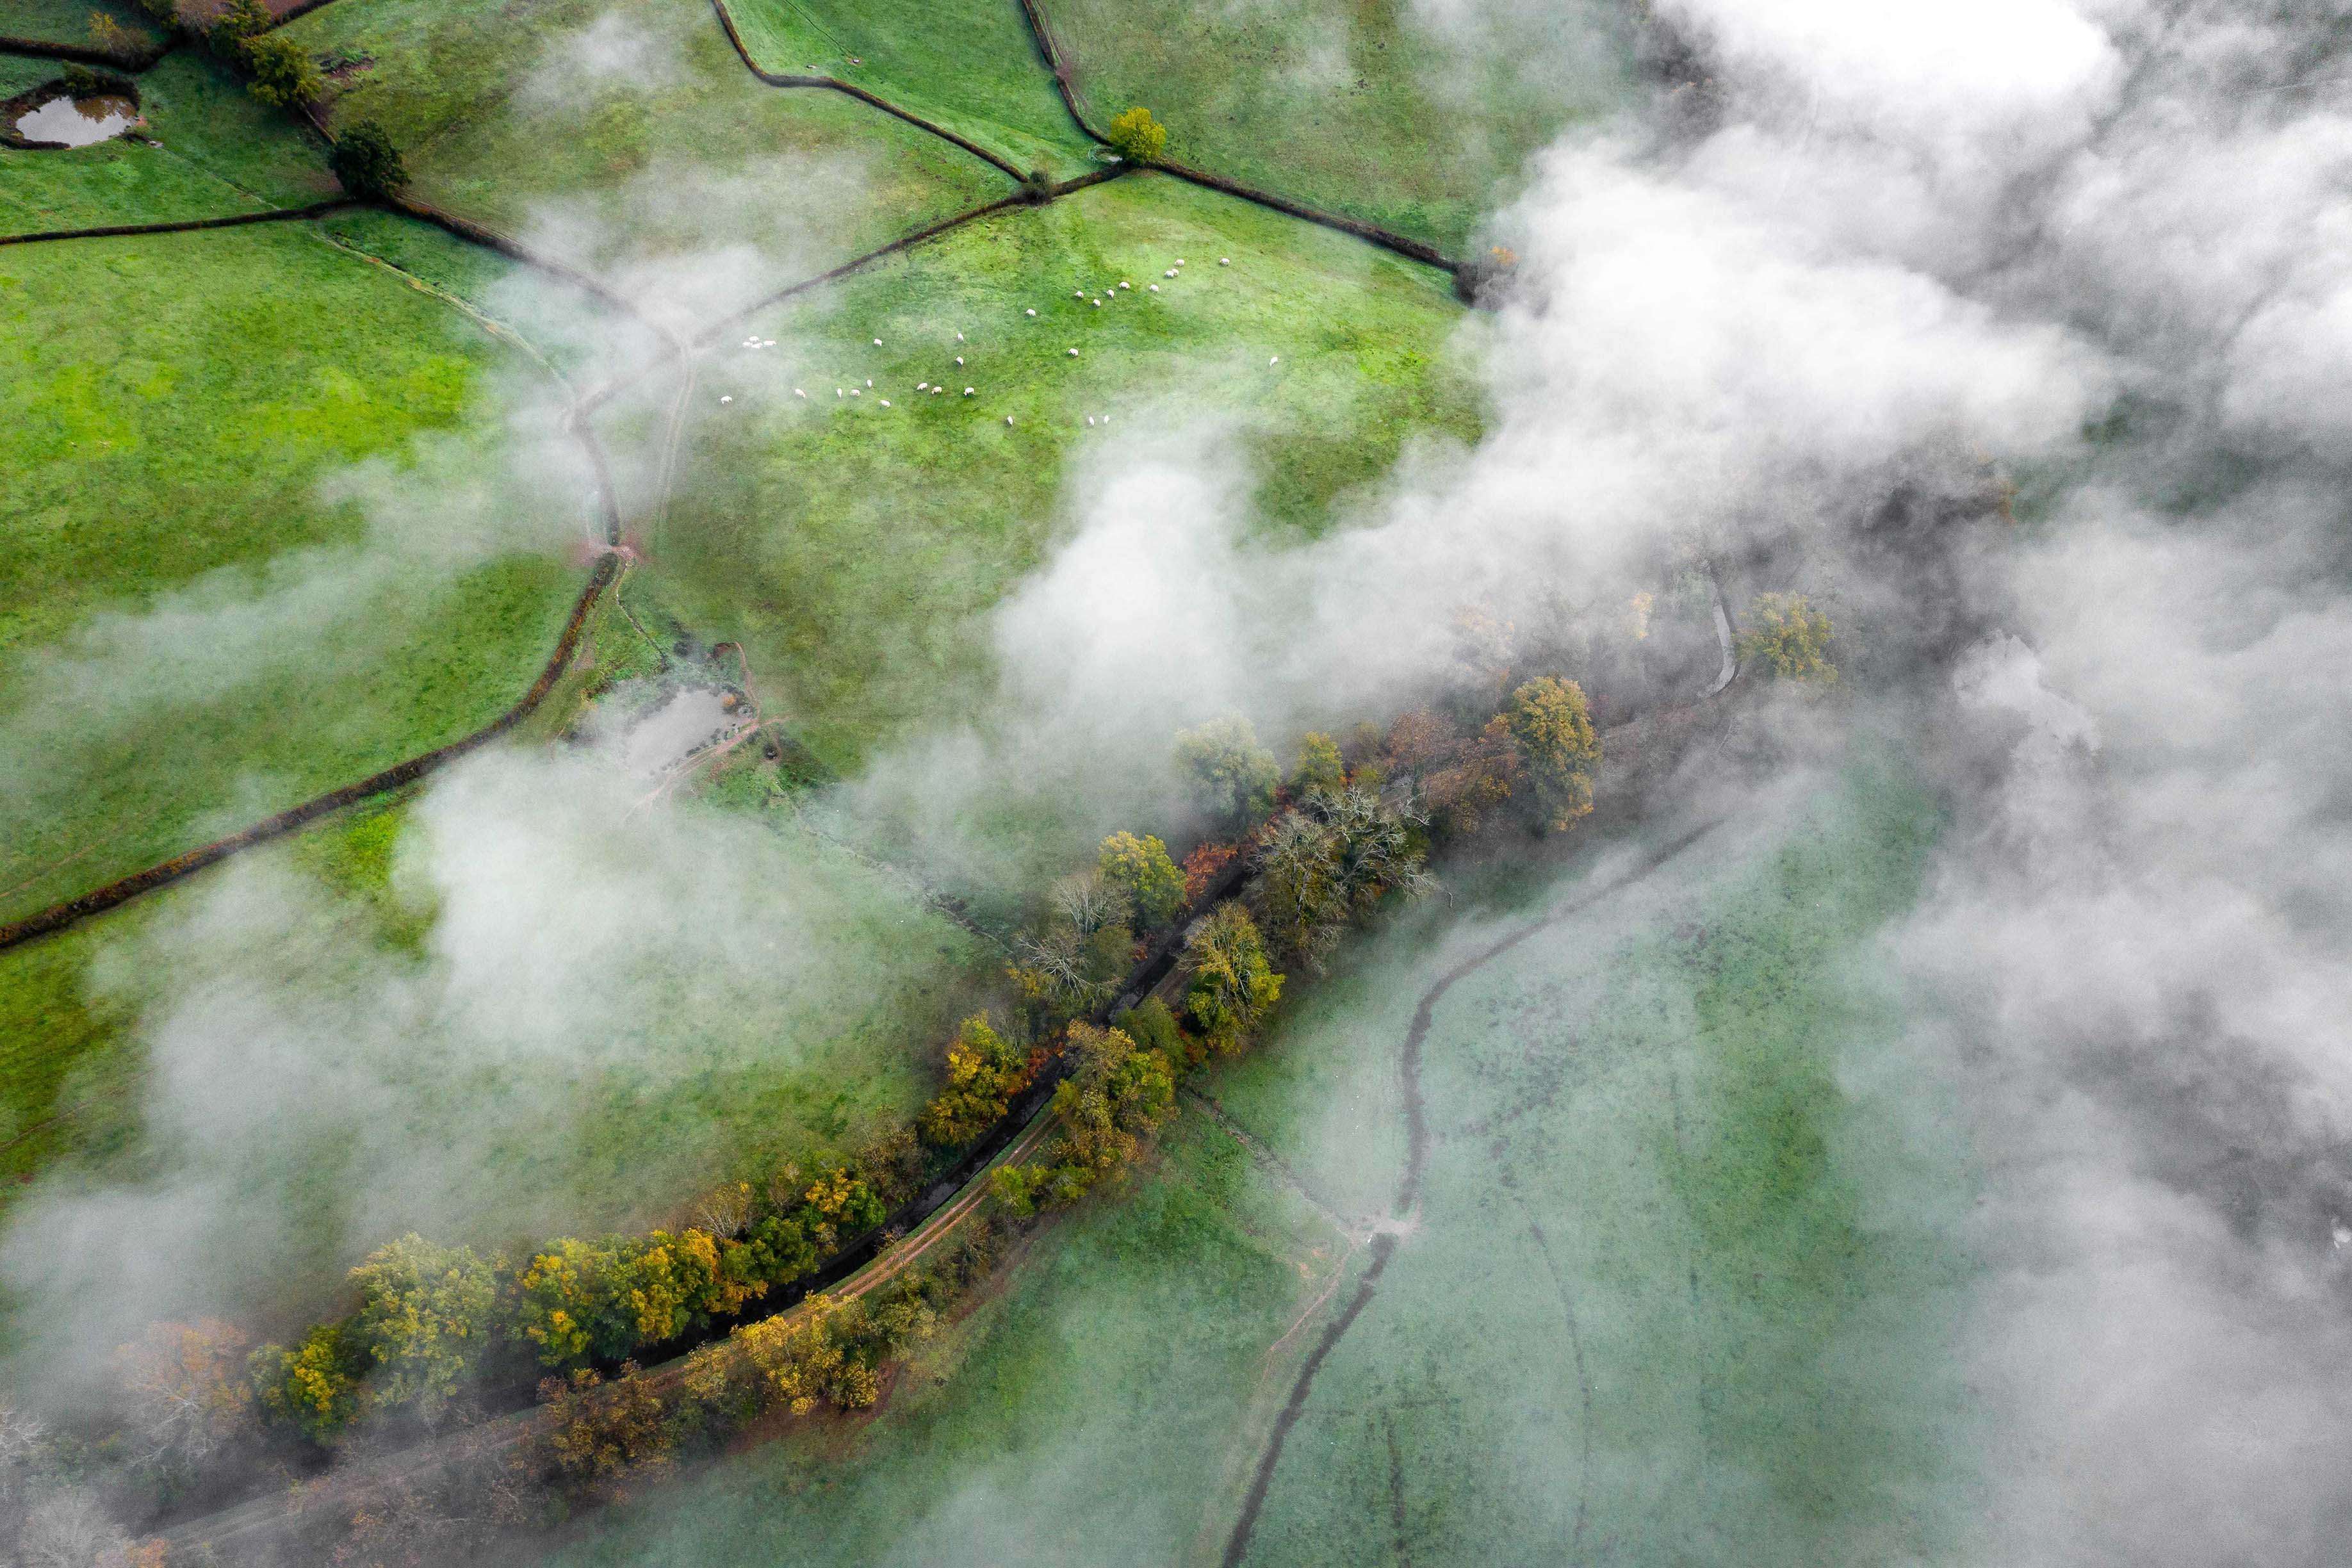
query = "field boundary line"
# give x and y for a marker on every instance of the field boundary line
(185, 226)
(86, 54)
(1065, 75)
(778, 79)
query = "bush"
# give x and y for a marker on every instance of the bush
(364, 159)
(113, 37)
(599, 1432)
(284, 74)
(1137, 137)
(239, 22)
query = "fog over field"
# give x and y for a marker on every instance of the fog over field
(2018, 335)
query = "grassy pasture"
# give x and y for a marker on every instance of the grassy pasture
(1731, 1341)
(68, 21)
(969, 64)
(677, 174)
(856, 549)
(1376, 109)
(191, 633)
(220, 153)
(225, 1037)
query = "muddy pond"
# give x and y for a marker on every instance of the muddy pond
(78, 122)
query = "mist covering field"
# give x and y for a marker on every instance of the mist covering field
(1915, 1133)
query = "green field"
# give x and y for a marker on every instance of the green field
(68, 21)
(346, 1036)
(192, 633)
(679, 177)
(1732, 1340)
(969, 64)
(1376, 109)
(220, 153)
(781, 501)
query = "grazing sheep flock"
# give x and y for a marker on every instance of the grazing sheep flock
(756, 343)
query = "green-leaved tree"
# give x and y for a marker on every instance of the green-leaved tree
(1137, 137)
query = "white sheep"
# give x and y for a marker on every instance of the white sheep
(958, 337)
(1224, 261)
(878, 343)
(967, 392)
(798, 393)
(1090, 421)
(854, 391)
(1153, 287)
(1170, 273)
(1074, 353)
(886, 403)
(1125, 284)
(1008, 419)
(1033, 312)
(726, 400)
(1275, 360)
(920, 384)
(958, 359)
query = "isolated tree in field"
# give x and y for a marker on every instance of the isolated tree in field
(424, 1319)
(364, 159)
(184, 1391)
(1137, 137)
(1232, 777)
(284, 74)
(1141, 868)
(1230, 986)
(1557, 746)
(1320, 766)
(1789, 637)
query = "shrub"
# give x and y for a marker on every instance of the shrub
(1232, 777)
(425, 1319)
(1791, 638)
(364, 159)
(284, 74)
(1231, 985)
(113, 37)
(1140, 868)
(1137, 137)
(1553, 732)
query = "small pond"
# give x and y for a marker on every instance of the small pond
(78, 122)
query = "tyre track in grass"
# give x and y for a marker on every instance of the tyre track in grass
(1404, 1210)
(1049, 49)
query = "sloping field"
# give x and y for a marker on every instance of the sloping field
(856, 548)
(194, 632)
(969, 64)
(406, 1019)
(1735, 1344)
(220, 152)
(1414, 117)
(634, 144)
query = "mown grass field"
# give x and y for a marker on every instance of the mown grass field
(220, 153)
(969, 64)
(192, 633)
(677, 176)
(857, 550)
(1682, 1287)
(1417, 118)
